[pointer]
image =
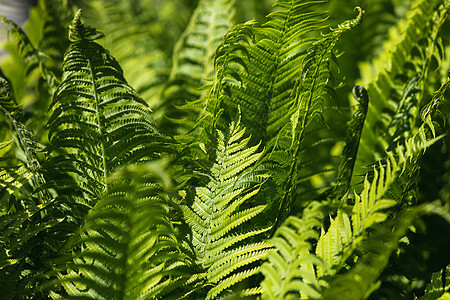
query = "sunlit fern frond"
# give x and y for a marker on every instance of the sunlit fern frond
(398, 61)
(98, 121)
(26, 141)
(217, 219)
(361, 280)
(289, 272)
(309, 95)
(388, 186)
(193, 62)
(263, 86)
(439, 286)
(130, 248)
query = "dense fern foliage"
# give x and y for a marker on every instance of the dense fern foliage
(226, 149)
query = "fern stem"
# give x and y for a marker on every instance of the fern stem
(100, 125)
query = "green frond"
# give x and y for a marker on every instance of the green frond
(439, 286)
(193, 57)
(380, 76)
(289, 271)
(361, 280)
(97, 119)
(136, 41)
(32, 56)
(264, 87)
(129, 245)
(216, 217)
(388, 186)
(308, 100)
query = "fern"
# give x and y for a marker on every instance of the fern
(215, 215)
(193, 59)
(289, 272)
(389, 186)
(361, 280)
(97, 118)
(397, 53)
(253, 177)
(438, 288)
(129, 246)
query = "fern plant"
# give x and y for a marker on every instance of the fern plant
(179, 151)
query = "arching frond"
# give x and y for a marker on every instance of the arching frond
(138, 42)
(388, 186)
(216, 219)
(98, 121)
(33, 56)
(130, 248)
(308, 97)
(379, 77)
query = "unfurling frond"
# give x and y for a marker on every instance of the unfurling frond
(216, 217)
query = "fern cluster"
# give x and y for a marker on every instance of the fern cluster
(177, 150)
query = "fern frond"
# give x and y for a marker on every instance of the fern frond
(289, 271)
(360, 281)
(130, 247)
(423, 20)
(264, 89)
(136, 40)
(308, 99)
(388, 186)
(439, 286)
(33, 56)
(97, 119)
(193, 60)
(215, 216)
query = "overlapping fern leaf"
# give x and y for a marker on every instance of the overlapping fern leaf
(33, 57)
(220, 210)
(401, 59)
(130, 248)
(289, 271)
(390, 185)
(193, 63)
(26, 213)
(439, 286)
(98, 121)
(132, 35)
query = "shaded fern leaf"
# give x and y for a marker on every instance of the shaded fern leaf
(308, 100)
(264, 87)
(98, 121)
(216, 219)
(289, 272)
(130, 248)
(131, 29)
